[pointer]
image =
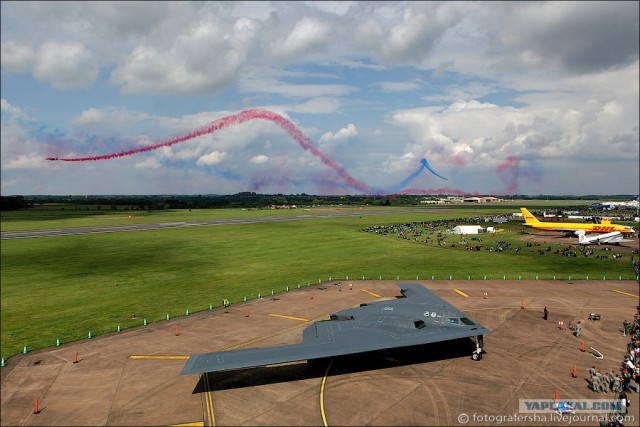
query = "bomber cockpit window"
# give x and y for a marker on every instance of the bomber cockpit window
(453, 320)
(467, 321)
(419, 324)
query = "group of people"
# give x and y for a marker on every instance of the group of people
(628, 380)
(630, 369)
(605, 382)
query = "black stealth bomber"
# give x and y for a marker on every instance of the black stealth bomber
(418, 317)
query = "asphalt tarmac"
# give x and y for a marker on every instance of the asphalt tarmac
(133, 377)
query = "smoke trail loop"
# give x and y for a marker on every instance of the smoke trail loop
(245, 116)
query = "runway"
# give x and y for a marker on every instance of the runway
(30, 234)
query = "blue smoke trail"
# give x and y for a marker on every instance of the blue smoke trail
(424, 164)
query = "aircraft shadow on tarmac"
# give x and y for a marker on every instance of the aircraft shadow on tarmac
(352, 363)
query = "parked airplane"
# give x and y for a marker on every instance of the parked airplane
(613, 237)
(605, 225)
(418, 317)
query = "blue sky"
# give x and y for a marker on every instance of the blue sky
(500, 98)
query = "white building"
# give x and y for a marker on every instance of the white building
(467, 229)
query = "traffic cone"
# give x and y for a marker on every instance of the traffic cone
(582, 346)
(75, 358)
(177, 332)
(555, 397)
(145, 322)
(574, 372)
(24, 350)
(36, 409)
(350, 286)
(522, 304)
(2, 364)
(118, 330)
(57, 342)
(89, 337)
(560, 324)
(246, 312)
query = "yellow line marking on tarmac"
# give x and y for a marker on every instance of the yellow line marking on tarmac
(461, 293)
(195, 424)
(289, 317)
(159, 357)
(625, 293)
(324, 380)
(262, 338)
(208, 402)
(286, 329)
(372, 293)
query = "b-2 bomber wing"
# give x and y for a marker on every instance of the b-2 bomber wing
(419, 317)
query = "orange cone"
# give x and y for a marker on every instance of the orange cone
(582, 346)
(36, 409)
(177, 332)
(560, 324)
(555, 397)
(574, 372)
(75, 359)
(246, 312)
(350, 286)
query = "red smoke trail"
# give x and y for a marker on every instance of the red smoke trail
(232, 120)
(509, 171)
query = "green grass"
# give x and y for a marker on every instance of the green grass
(64, 287)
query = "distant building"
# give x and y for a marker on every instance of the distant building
(486, 199)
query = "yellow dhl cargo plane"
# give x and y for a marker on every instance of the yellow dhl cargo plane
(604, 226)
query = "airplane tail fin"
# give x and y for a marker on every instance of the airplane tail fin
(581, 237)
(528, 217)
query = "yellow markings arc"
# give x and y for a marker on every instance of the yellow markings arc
(461, 293)
(289, 317)
(324, 380)
(625, 293)
(195, 424)
(208, 402)
(372, 293)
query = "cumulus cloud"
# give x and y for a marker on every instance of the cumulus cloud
(307, 35)
(342, 134)
(213, 158)
(107, 118)
(259, 159)
(66, 65)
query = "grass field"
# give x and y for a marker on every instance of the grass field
(64, 287)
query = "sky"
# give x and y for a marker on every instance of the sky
(473, 98)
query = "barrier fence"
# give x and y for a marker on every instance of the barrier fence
(226, 302)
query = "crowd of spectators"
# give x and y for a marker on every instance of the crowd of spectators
(439, 233)
(627, 381)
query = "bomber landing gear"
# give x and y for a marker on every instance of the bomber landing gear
(477, 353)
